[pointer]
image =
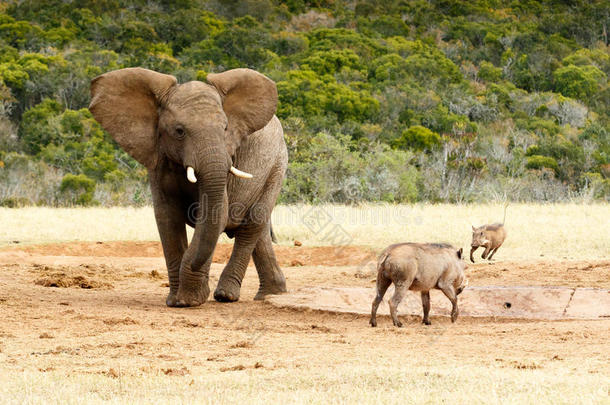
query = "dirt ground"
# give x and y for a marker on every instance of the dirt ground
(99, 308)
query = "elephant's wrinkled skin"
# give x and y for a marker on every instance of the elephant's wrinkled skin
(209, 127)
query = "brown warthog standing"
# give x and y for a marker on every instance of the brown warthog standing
(490, 237)
(419, 267)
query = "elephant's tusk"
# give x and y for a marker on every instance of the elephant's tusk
(190, 174)
(241, 174)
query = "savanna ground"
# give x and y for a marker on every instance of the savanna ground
(82, 298)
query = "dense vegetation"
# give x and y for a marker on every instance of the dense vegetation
(398, 101)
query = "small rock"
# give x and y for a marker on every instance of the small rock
(234, 368)
(296, 263)
(112, 373)
(297, 243)
(176, 372)
(46, 335)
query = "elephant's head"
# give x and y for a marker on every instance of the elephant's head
(197, 126)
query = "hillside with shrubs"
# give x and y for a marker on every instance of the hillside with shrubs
(393, 101)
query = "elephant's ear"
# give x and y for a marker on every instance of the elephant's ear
(125, 103)
(249, 99)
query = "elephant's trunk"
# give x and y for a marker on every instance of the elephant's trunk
(210, 172)
(212, 182)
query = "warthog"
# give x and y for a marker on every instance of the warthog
(491, 237)
(419, 267)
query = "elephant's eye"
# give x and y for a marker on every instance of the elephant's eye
(179, 132)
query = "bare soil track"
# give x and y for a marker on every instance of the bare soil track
(99, 307)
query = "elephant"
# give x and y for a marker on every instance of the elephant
(216, 159)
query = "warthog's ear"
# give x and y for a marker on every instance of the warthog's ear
(473, 228)
(459, 253)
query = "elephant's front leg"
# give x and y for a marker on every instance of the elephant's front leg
(171, 224)
(230, 280)
(194, 281)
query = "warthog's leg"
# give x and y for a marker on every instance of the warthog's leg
(400, 290)
(382, 286)
(449, 292)
(472, 250)
(486, 252)
(493, 252)
(425, 301)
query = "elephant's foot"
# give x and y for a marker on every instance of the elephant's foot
(227, 291)
(277, 288)
(171, 300)
(190, 297)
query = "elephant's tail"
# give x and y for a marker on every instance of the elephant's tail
(273, 238)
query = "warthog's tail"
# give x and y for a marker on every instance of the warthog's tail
(381, 260)
(382, 282)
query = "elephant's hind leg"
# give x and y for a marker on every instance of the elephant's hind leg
(271, 278)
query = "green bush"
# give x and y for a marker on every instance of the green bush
(289, 43)
(335, 168)
(77, 188)
(15, 202)
(538, 162)
(532, 150)
(581, 82)
(598, 186)
(418, 138)
(37, 127)
(307, 94)
(489, 73)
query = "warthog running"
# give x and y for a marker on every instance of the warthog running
(419, 267)
(490, 237)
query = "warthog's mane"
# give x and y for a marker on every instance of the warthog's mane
(424, 246)
(440, 245)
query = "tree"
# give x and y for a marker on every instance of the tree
(37, 127)
(581, 82)
(418, 138)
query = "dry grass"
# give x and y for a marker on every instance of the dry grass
(562, 231)
(341, 384)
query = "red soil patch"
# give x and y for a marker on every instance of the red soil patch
(287, 255)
